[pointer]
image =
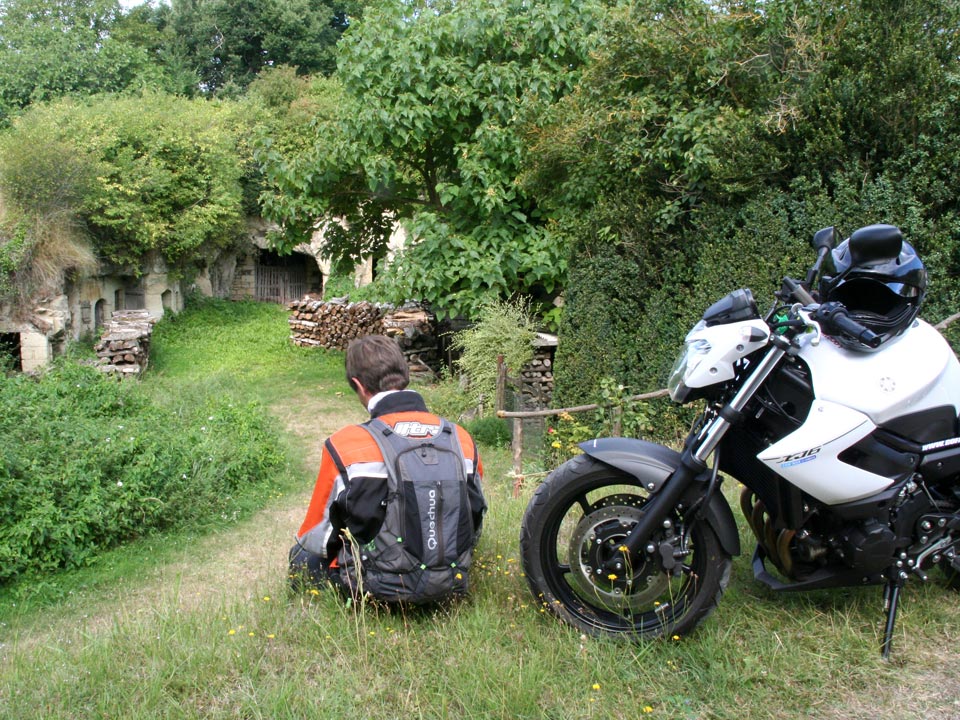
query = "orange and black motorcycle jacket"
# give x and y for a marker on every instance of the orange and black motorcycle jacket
(351, 488)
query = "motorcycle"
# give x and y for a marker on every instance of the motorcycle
(837, 412)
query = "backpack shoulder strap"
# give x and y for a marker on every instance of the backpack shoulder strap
(380, 431)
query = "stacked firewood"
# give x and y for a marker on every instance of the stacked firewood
(536, 378)
(414, 329)
(333, 323)
(124, 347)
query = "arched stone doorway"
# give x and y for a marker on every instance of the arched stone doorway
(99, 313)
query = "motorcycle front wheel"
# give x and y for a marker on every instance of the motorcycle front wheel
(577, 520)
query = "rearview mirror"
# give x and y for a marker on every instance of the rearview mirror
(825, 238)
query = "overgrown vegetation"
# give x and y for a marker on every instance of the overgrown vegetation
(649, 146)
(706, 143)
(504, 328)
(153, 177)
(88, 463)
(42, 185)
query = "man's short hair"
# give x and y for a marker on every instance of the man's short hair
(378, 363)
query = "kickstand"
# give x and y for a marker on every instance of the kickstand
(891, 600)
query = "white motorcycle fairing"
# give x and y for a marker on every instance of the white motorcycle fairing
(711, 352)
(854, 394)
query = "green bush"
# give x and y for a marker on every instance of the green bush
(491, 431)
(87, 463)
(153, 175)
(447, 398)
(504, 328)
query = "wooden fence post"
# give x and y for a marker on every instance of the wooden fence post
(616, 421)
(501, 400)
(517, 446)
(517, 416)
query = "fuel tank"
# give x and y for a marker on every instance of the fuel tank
(915, 376)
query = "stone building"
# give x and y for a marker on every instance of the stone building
(32, 337)
(84, 305)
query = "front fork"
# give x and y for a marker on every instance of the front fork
(693, 460)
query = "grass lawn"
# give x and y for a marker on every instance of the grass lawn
(201, 625)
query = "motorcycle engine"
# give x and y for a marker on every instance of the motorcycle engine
(869, 547)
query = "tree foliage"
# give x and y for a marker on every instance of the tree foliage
(151, 176)
(427, 129)
(706, 143)
(228, 43)
(52, 48)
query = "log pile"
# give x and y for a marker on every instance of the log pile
(332, 324)
(536, 378)
(414, 329)
(124, 347)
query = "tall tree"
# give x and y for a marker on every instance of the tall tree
(51, 48)
(228, 41)
(434, 99)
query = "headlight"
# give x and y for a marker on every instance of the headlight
(689, 359)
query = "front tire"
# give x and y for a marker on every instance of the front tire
(577, 519)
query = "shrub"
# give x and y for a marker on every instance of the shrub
(87, 463)
(446, 397)
(491, 431)
(504, 328)
(149, 175)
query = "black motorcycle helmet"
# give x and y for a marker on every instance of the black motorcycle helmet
(881, 281)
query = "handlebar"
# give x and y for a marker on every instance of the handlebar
(833, 316)
(794, 290)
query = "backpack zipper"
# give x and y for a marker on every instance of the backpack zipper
(440, 543)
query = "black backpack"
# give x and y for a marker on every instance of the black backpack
(424, 548)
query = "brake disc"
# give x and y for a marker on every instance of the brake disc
(599, 536)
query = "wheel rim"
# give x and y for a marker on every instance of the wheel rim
(587, 529)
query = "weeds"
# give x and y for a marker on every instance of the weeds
(504, 328)
(88, 463)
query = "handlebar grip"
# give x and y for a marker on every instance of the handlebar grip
(834, 315)
(851, 327)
